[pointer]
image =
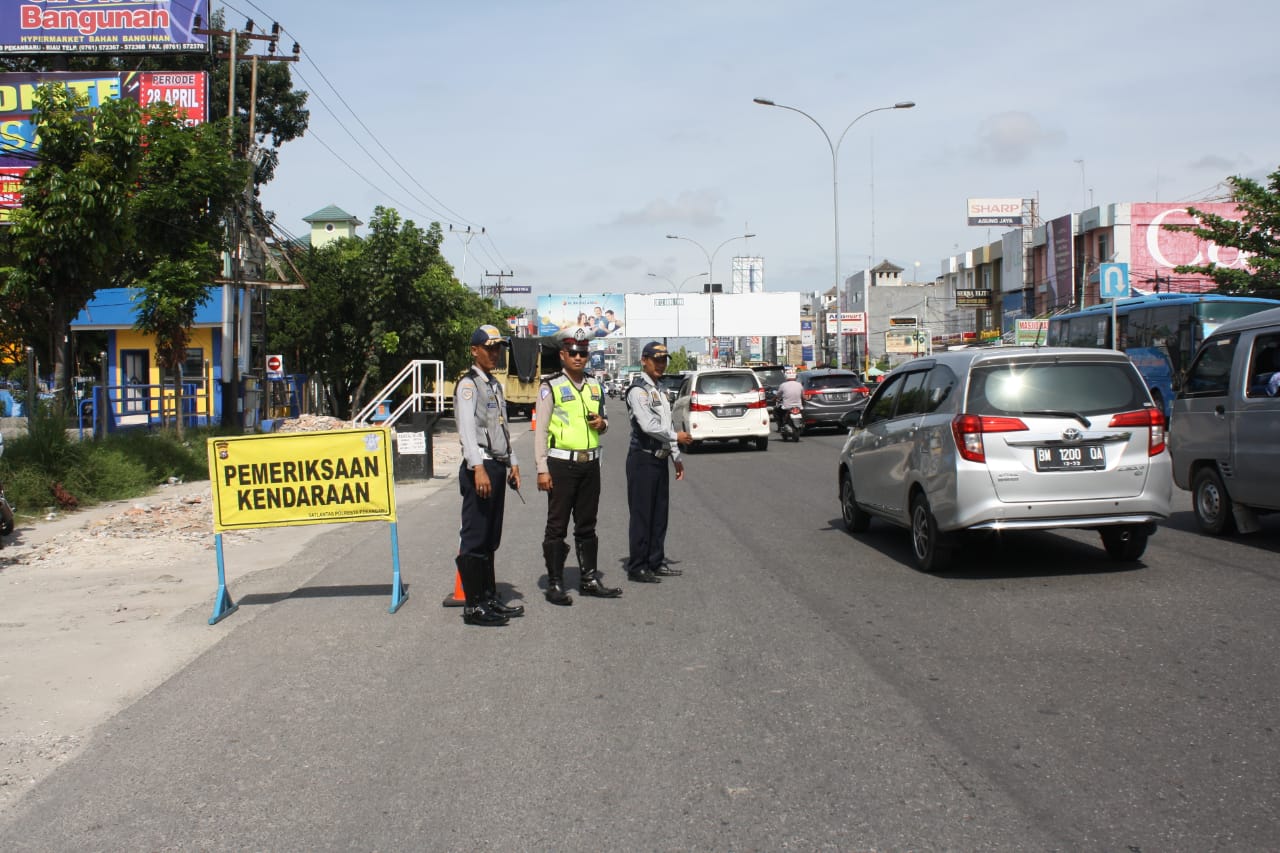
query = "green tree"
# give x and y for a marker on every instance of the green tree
(1257, 233)
(187, 178)
(72, 234)
(374, 304)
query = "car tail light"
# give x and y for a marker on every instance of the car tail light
(810, 393)
(969, 429)
(695, 406)
(1153, 419)
(863, 390)
(760, 400)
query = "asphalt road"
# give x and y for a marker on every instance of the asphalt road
(798, 688)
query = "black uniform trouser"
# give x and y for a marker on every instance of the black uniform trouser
(648, 487)
(481, 531)
(575, 490)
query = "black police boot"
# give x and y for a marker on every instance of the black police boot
(491, 592)
(554, 553)
(476, 611)
(589, 579)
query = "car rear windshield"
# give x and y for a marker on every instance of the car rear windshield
(772, 377)
(727, 383)
(839, 380)
(1083, 388)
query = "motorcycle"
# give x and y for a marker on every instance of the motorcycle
(790, 424)
(6, 508)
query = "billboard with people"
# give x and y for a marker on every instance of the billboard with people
(604, 314)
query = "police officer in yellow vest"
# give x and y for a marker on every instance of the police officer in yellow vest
(571, 419)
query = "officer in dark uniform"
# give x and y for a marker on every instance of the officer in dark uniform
(570, 417)
(488, 465)
(653, 442)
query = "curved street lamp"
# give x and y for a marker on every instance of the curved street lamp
(711, 260)
(835, 206)
(676, 289)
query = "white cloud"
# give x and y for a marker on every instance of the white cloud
(1215, 163)
(1011, 137)
(696, 207)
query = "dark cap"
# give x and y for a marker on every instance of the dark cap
(488, 335)
(654, 349)
(574, 339)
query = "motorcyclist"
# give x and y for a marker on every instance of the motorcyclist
(790, 395)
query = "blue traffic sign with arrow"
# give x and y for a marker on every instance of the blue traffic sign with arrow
(1113, 281)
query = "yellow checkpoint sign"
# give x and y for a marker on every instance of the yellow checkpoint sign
(277, 480)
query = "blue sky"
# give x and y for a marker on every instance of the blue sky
(579, 134)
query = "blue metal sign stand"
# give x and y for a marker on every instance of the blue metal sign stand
(398, 593)
(224, 606)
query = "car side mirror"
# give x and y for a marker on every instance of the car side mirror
(852, 419)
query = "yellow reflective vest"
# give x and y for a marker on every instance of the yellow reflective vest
(569, 410)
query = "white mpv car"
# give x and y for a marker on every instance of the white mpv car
(722, 404)
(1009, 438)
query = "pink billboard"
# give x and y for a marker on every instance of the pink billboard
(1154, 251)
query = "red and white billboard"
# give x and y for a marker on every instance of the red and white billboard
(19, 145)
(1156, 251)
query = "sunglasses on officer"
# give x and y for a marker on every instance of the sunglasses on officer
(573, 352)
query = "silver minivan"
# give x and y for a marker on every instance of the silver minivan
(1224, 434)
(1005, 439)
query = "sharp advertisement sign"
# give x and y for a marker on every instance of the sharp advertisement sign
(19, 146)
(102, 26)
(995, 211)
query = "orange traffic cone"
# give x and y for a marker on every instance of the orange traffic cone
(459, 598)
(533, 419)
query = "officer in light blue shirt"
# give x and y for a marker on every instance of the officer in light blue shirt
(488, 465)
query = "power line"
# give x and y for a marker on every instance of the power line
(439, 209)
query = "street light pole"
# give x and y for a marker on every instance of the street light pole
(835, 204)
(677, 290)
(711, 259)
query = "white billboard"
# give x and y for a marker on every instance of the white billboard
(663, 315)
(995, 211)
(746, 314)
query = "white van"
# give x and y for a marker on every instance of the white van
(1224, 434)
(721, 404)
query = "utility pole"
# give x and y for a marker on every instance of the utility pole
(235, 361)
(496, 289)
(466, 236)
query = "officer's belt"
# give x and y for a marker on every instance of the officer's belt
(574, 455)
(500, 458)
(661, 452)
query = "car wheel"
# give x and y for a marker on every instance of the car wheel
(762, 443)
(1125, 543)
(926, 542)
(854, 518)
(1211, 502)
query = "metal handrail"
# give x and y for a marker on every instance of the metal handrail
(414, 372)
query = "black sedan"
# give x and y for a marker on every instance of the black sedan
(829, 394)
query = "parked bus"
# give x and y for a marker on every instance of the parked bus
(1159, 332)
